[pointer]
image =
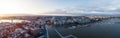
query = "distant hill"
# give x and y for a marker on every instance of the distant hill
(60, 15)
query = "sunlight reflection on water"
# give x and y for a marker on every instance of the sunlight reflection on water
(13, 21)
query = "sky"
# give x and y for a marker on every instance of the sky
(59, 7)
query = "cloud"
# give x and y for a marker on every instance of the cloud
(93, 7)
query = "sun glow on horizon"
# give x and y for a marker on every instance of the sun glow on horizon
(20, 7)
